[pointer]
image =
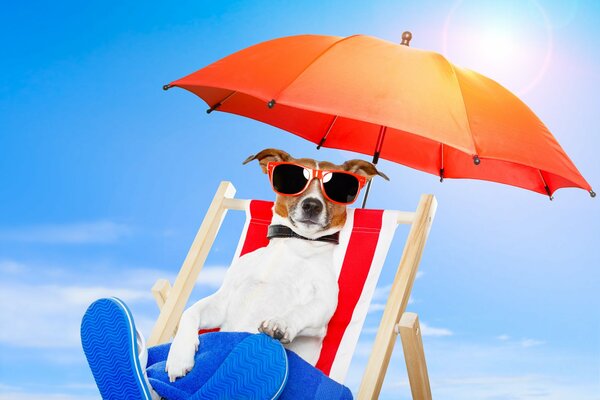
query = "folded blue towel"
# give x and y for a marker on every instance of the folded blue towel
(227, 365)
(303, 381)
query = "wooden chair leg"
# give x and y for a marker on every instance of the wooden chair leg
(412, 344)
(160, 291)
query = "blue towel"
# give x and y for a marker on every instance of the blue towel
(303, 382)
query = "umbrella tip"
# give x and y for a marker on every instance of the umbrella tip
(549, 192)
(166, 87)
(406, 38)
(592, 193)
(476, 160)
(271, 103)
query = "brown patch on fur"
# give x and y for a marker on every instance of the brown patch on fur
(307, 162)
(330, 166)
(363, 168)
(338, 216)
(268, 155)
(281, 207)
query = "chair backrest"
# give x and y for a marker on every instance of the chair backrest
(358, 260)
(173, 299)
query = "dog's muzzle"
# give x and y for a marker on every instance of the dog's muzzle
(311, 207)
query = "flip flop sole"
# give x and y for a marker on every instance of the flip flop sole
(255, 369)
(109, 344)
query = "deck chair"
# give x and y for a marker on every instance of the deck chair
(364, 243)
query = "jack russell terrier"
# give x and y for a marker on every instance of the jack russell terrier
(287, 290)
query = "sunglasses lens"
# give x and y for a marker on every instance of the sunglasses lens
(288, 179)
(341, 187)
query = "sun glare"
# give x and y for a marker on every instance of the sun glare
(510, 42)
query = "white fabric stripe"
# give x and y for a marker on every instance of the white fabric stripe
(343, 358)
(244, 233)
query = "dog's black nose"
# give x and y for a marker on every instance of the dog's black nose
(312, 206)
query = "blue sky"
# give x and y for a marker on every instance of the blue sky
(105, 179)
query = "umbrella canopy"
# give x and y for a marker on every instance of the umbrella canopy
(384, 99)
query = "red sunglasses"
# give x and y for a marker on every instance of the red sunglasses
(291, 179)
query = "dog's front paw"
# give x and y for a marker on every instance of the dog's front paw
(181, 357)
(278, 329)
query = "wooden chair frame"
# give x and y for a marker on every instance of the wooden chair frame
(172, 300)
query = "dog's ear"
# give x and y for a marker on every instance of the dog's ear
(268, 155)
(364, 168)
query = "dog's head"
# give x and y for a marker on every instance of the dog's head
(313, 212)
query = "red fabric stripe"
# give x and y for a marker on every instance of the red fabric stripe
(355, 269)
(261, 213)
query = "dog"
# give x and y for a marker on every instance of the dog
(288, 289)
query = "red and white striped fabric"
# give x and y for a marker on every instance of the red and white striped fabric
(358, 259)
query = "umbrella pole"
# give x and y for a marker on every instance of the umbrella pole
(406, 38)
(375, 160)
(364, 203)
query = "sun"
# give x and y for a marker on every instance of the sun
(509, 41)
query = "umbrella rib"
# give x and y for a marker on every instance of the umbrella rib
(378, 147)
(379, 144)
(324, 138)
(220, 103)
(465, 112)
(441, 162)
(545, 185)
(311, 63)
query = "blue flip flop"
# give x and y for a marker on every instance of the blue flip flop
(256, 369)
(108, 337)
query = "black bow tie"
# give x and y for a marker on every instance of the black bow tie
(282, 231)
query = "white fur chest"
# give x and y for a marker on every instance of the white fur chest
(272, 281)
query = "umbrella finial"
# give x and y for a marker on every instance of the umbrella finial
(592, 193)
(406, 38)
(166, 87)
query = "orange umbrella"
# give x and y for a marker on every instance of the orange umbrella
(388, 100)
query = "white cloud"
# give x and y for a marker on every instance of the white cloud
(18, 395)
(375, 307)
(382, 293)
(211, 276)
(76, 233)
(531, 342)
(503, 371)
(48, 316)
(11, 392)
(525, 342)
(510, 386)
(9, 267)
(427, 330)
